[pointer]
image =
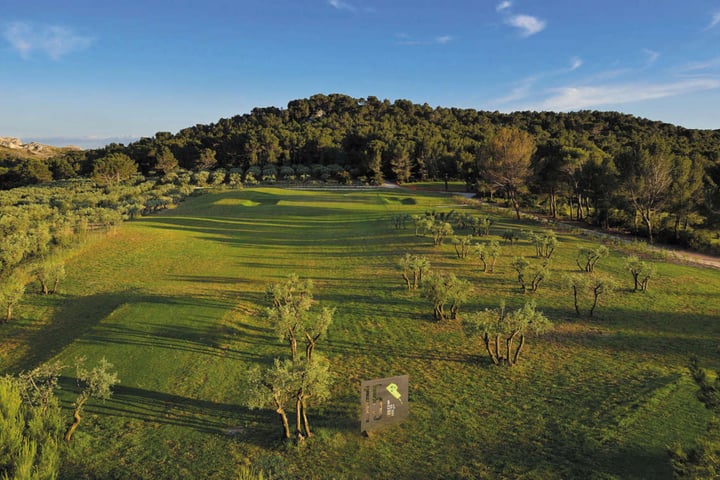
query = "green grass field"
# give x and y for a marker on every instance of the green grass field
(174, 301)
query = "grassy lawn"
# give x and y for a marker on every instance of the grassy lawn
(174, 301)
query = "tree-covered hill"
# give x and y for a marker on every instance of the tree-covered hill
(586, 165)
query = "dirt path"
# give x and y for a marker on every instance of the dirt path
(671, 253)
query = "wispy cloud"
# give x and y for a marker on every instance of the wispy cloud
(503, 6)
(524, 88)
(408, 41)
(652, 56)
(714, 21)
(701, 67)
(574, 98)
(527, 24)
(341, 5)
(521, 91)
(51, 40)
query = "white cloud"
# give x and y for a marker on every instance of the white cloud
(574, 98)
(715, 21)
(503, 6)
(701, 67)
(575, 63)
(51, 40)
(652, 56)
(408, 41)
(528, 24)
(340, 5)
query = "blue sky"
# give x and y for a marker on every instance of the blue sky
(86, 72)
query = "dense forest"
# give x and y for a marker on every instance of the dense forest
(605, 168)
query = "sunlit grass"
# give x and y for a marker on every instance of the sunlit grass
(174, 301)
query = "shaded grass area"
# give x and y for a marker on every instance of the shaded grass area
(174, 301)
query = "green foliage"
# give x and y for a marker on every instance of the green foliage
(588, 257)
(29, 435)
(493, 324)
(641, 272)
(584, 286)
(443, 289)
(462, 245)
(96, 383)
(50, 273)
(545, 243)
(12, 289)
(530, 275)
(414, 266)
(488, 254)
(113, 169)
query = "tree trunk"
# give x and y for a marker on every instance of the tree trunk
(286, 426)
(407, 280)
(579, 211)
(677, 226)
(577, 307)
(497, 349)
(553, 207)
(508, 346)
(76, 418)
(516, 206)
(486, 340)
(310, 347)
(517, 352)
(595, 302)
(298, 416)
(635, 278)
(44, 287)
(308, 433)
(293, 344)
(9, 313)
(55, 286)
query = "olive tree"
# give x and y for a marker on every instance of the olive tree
(497, 326)
(545, 243)
(290, 302)
(50, 273)
(416, 267)
(530, 276)
(584, 286)
(273, 387)
(12, 289)
(95, 383)
(588, 257)
(443, 289)
(289, 384)
(462, 245)
(487, 253)
(641, 272)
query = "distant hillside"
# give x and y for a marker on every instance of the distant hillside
(14, 148)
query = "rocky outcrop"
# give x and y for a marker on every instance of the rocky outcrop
(10, 142)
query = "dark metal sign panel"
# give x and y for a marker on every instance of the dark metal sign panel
(384, 402)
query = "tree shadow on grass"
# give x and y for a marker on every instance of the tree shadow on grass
(159, 408)
(396, 351)
(81, 318)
